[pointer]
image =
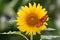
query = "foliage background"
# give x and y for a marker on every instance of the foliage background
(9, 8)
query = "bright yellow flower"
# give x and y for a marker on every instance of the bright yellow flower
(32, 19)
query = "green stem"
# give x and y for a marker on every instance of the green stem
(31, 37)
(41, 39)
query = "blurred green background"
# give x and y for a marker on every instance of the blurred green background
(9, 8)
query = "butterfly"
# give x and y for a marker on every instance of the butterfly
(42, 20)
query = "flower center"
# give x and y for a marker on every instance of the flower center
(31, 19)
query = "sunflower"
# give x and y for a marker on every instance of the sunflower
(32, 19)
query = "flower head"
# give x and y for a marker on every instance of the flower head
(32, 19)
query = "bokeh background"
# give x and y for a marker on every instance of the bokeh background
(8, 13)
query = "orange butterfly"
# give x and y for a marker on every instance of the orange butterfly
(41, 21)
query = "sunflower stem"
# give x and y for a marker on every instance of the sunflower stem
(31, 38)
(41, 39)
